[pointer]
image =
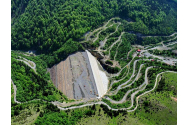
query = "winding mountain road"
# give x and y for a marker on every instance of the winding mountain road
(133, 74)
(117, 50)
(106, 38)
(27, 63)
(124, 85)
(132, 95)
(15, 89)
(101, 102)
(149, 90)
(161, 36)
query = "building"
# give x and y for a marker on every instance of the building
(139, 50)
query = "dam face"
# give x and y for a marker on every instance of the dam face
(79, 76)
(99, 77)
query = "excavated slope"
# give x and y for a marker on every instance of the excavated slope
(79, 77)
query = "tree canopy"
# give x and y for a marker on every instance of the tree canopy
(46, 25)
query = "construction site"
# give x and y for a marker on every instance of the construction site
(80, 76)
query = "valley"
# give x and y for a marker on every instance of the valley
(94, 62)
(78, 78)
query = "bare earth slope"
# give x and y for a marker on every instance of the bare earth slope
(74, 77)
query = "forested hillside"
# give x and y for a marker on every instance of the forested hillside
(47, 25)
(33, 85)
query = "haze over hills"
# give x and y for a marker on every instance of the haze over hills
(75, 60)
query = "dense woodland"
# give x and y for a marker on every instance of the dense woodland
(47, 25)
(31, 85)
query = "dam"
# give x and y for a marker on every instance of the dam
(80, 76)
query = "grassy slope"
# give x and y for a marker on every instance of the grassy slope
(158, 107)
(100, 118)
(28, 114)
(154, 108)
(161, 109)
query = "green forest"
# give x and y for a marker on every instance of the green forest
(31, 85)
(52, 26)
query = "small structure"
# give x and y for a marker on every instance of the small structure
(139, 55)
(139, 50)
(152, 60)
